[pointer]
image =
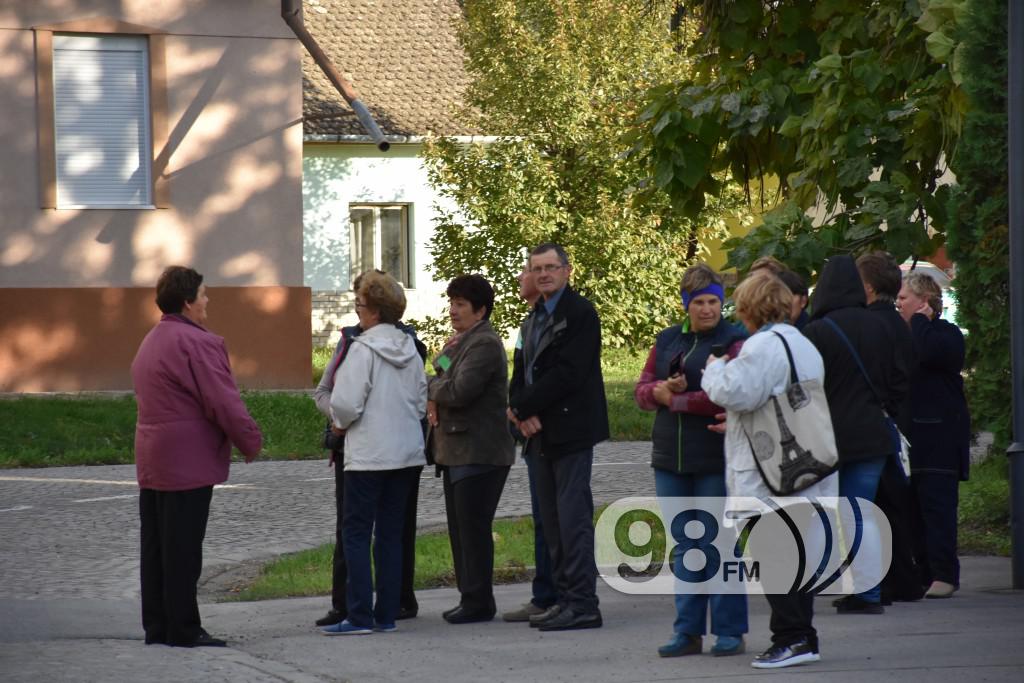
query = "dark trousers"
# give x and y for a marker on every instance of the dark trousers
(894, 498)
(937, 495)
(173, 527)
(339, 577)
(470, 504)
(375, 505)
(544, 592)
(792, 616)
(567, 514)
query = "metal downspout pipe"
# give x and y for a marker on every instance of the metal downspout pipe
(291, 12)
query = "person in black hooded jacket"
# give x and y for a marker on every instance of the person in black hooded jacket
(863, 436)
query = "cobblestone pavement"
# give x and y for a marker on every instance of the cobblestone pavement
(72, 532)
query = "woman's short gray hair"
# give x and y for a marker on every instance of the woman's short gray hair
(924, 285)
(383, 294)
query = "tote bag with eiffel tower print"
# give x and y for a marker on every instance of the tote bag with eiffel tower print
(791, 435)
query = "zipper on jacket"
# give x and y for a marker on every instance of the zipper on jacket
(679, 416)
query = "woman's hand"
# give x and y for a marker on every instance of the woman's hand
(663, 391)
(718, 427)
(926, 310)
(432, 413)
(676, 383)
(712, 359)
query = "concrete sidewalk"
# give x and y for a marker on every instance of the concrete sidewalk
(977, 635)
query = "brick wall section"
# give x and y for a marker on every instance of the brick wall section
(332, 310)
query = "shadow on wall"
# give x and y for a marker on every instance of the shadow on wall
(84, 339)
(233, 160)
(327, 231)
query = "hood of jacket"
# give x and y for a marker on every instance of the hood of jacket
(838, 287)
(390, 343)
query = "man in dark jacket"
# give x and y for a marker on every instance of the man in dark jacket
(882, 279)
(557, 401)
(856, 402)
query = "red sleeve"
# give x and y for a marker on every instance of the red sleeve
(643, 393)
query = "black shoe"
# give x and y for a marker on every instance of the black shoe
(156, 640)
(407, 612)
(550, 613)
(206, 640)
(571, 620)
(461, 615)
(853, 604)
(332, 617)
(453, 610)
(779, 656)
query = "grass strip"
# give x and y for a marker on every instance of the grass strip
(308, 572)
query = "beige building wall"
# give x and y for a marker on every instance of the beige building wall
(232, 164)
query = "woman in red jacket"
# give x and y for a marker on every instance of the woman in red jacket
(190, 413)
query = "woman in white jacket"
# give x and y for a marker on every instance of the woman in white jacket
(761, 370)
(379, 399)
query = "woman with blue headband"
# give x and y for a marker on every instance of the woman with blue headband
(687, 455)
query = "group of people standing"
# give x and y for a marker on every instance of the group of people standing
(876, 341)
(387, 420)
(464, 421)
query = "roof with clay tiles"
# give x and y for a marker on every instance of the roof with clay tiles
(401, 56)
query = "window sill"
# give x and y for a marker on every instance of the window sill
(129, 207)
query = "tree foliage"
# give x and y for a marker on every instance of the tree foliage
(557, 82)
(978, 238)
(850, 106)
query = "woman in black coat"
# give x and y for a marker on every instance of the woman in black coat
(940, 431)
(863, 436)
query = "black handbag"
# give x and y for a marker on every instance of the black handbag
(332, 441)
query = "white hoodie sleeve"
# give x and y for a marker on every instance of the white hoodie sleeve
(421, 396)
(745, 383)
(352, 386)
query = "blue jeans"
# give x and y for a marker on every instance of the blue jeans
(375, 502)
(728, 612)
(860, 480)
(544, 592)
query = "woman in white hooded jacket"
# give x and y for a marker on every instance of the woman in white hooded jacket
(761, 370)
(379, 399)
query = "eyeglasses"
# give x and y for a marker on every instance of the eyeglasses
(549, 268)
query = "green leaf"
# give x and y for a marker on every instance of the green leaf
(791, 126)
(830, 63)
(743, 11)
(665, 119)
(853, 172)
(664, 172)
(939, 46)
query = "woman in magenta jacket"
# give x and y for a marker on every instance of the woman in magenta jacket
(190, 414)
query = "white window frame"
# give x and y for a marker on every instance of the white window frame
(64, 47)
(355, 241)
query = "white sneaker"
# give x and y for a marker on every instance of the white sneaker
(781, 656)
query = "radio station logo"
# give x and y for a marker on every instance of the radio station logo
(829, 546)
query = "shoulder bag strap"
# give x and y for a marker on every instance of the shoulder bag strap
(856, 357)
(793, 379)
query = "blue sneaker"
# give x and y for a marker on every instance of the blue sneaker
(681, 645)
(727, 645)
(345, 628)
(385, 628)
